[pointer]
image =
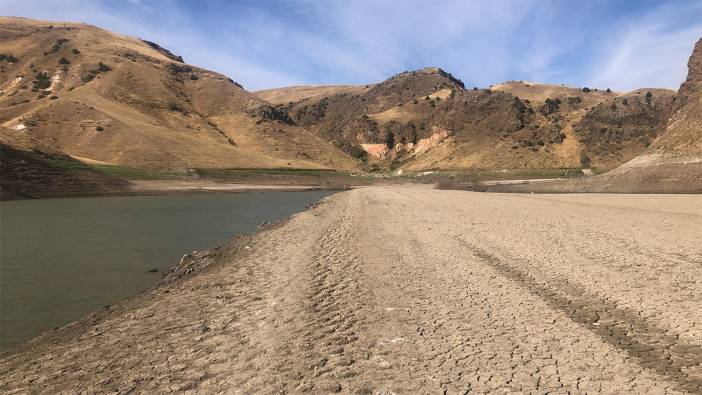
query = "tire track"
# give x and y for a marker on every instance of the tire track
(332, 311)
(653, 347)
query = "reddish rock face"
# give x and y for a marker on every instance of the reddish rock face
(438, 135)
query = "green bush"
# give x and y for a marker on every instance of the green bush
(64, 61)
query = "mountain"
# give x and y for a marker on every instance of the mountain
(672, 163)
(104, 98)
(428, 120)
(100, 96)
(683, 136)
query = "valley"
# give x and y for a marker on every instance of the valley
(110, 101)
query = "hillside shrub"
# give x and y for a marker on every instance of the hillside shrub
(585, 161)
(8, 58)
(64, 61)
(103, 68)
(57, 46)
(358, 152)
(586, 89)
(42, 81)
(390, 140)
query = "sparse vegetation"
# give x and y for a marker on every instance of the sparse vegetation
(358, 152)
(64, 61)
(390, 140)
(42, 81)
(103, 68)
(585, 161)
(550, 106)
(99, 129)
(176, 108)
(587, 90)
(75, 51)
(57, 46)
(8, 58)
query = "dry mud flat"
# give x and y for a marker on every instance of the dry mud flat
(407, 290)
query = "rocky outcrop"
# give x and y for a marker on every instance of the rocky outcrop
(617, 130)
(683, 136)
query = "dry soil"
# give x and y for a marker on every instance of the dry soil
(410, 290)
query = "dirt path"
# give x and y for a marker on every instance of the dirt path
(410, 289)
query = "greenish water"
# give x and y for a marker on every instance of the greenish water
(63, 258)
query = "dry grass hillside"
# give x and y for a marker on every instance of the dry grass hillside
(427, 120)
(672, 163)
(292, 94)
(37, 174)
(105, 98)
(101, 96)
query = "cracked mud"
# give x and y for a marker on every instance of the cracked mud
(411, 290)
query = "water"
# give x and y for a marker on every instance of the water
(60, 259)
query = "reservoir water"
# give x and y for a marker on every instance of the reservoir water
(60, 259)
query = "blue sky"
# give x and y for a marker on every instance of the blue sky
(621, 45)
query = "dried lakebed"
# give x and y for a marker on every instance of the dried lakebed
(409, 289)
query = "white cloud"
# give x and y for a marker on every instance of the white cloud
(313, 42)
(648, 52)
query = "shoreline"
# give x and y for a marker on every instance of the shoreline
(178, 187)
(347, 297)
(190, 264)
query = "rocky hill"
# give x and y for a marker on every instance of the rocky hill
(428, 120)
(112, 99)
(672, 163)
(683, 136)
(93, 94)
